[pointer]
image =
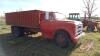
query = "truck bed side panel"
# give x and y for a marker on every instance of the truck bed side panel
(24, 19)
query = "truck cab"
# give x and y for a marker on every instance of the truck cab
(57, 22)
(53, 25)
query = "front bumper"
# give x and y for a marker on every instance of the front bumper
(76, 39)
(79, 35)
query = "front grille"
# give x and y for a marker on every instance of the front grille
(79, 29)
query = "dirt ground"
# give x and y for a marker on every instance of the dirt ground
(27, 46)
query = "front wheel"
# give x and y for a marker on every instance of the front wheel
(62, 39)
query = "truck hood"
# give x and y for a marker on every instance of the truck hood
(77, 22)
(73, 21)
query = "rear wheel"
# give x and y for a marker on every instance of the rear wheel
(17, 31)
(62, 39)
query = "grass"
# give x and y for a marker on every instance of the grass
(95, 51)
(39, 47)
(3, 27)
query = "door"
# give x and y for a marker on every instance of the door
(47, 25)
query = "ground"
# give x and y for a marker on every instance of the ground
(27, 46)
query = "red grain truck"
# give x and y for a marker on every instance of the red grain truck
(52, 25)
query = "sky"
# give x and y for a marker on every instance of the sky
(63, 6)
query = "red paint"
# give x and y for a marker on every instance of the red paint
(23, 18)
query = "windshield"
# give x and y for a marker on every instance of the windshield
(60, 16)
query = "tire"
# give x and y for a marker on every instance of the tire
(16, 31)
(62, 39)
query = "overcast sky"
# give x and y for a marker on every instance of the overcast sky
(63, 6)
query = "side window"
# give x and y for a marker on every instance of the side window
(51, 16)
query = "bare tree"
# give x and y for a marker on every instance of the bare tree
(89, 7)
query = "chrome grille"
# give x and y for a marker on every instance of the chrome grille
(79, 29)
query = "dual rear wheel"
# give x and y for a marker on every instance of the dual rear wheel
(17, 31)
